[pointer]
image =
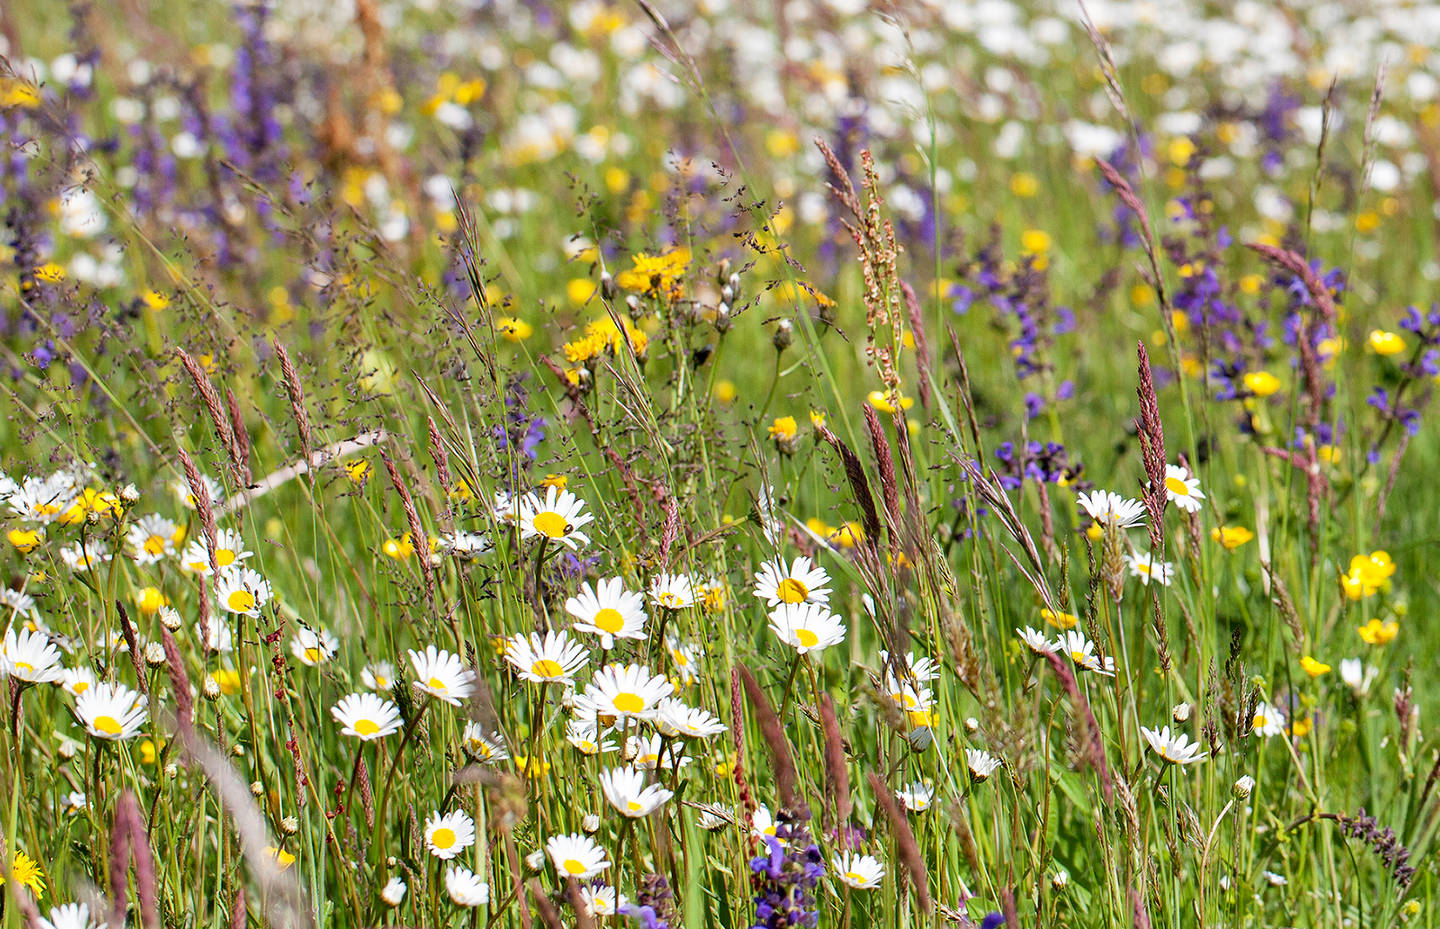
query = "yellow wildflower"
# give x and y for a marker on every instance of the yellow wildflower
(1231, 537)
(1376, 632)
(1314, 668)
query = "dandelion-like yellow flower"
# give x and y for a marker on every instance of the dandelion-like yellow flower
(1376, 632)
(1314, 668)
(783, 428)
(1231, 537)
(1383, 342)
(26, 871)
(1261, 383)
(659, 274)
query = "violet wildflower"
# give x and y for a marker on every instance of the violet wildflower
(785, 877)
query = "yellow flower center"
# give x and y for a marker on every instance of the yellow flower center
(806, 638)
(634, 807)
(443, 838)
(1259, 722)
(791, 591)
(550, 524)
(855, 876)
(609, 620)
(574, 866)
(546, 667)
(224, 557)
(107, 724)
(1177, 487)
(366, 726)
(154, 545)
(80, 687)
(436, 684)
(670, 600)
(628, 703)
(241, 601)
(1078, 656)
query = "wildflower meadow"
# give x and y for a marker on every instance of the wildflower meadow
(719, 463)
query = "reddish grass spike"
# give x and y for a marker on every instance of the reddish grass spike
(859, 486)
(543, 906)
(671, 530)
(237, 427)
(583, 919)
(885, 462)
(127, 630)
(295, 394)
(774, 735)
(438, 454)
(179, 682)
(1140, 916)
(922, 344)
(837, 771)
(237, 909)
(912, 861)
(119, 866)
(1152, 451)
(737, 736)
(211, 399)
(1126, 193)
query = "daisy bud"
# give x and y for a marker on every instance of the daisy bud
(633, 302)
(607, 285)
(1180, 712)
(129, 493)
(722, 271)
(590, 824)
(238, 751)
(211, 689)
(1243, 787)
(784, 335)
(726, 294)
(535, 860)
(734, 283)
(257, 789)
(154, 654)
(394, 892)
(971, 724)
(170, 618)
(722, 318)
(1060, 880)
(390, 861)
(67, 750)
(92, 516)
(290, 825)
(172, 771)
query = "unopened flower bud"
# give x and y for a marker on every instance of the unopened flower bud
(535, 860)
(1060, 880)
(238, 751)
(129, 493)
(257, 789)
(170, 618)
(1180, 712)
(590, 824)
(290, 825)
(784, 335)
(734, 283)
(67, 750)
(727, 294)
(633, 302)
(722, 318)
(172, 771)
(211, 689)
(607, 285)
(722, 271)
(971, 724)
(1243, 787)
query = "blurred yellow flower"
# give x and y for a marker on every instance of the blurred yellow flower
(1060, 620)
(1376, 632)
(1231, 537)
(1261, 383)
(658, 274)
(514, 329)
(1383, 342)
(1314, 668)
(783, 428)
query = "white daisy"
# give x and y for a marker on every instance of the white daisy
(1082, 651)
(450, 834)
(1145, 568)
(672, 591)
(673, 717)
(624, 691)
(652, 752)
(487, 749)
(601, 901)
(77, 680)
(229, 551)
(1183, 489)
(1175, 749)
(982, 764)
(916, 797)
(920, 669)
(576, 856)
(111, 711)
(70, 916)
(1357, 676)
(584, 734)
(1268, 720)
(806, 627)
(242, 590)
(17, 602)
(366, 717)
(213, 490)
(441, 674)
(42, 499)
(1036, 641)
(84, 555)
(863, 872)
(557, 518)
(802, 582)
(313, 646)
(763, 825)
(551, 660)
(219, 637)
(30, 657)
(465, 887)
(466, 545)
(379, 677)
(685, 658)
(609, 611)
(152, 537)
(1110, 509)
(628, 793)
